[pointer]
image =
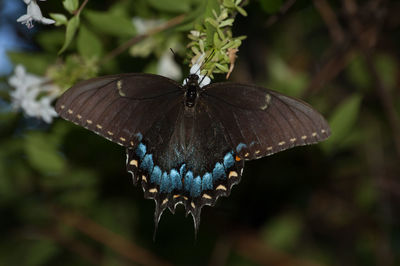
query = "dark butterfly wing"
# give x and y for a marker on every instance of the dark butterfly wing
(121, 107)
(189, 155)
(260, 122)
(190, 162)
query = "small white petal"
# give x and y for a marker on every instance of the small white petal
(20, 70)
(168, 67)
(47, 21)
(23, 18)
(143, 26)
(34, 11)
(195, 69)
(195, 33)
(205, 80)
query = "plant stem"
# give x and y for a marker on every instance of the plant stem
(77, 12)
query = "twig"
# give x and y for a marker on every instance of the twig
(77, 12)
(329, 17)
(340, 56)
(249, 245)
(110, 239)
(169, 24)
(284, 8)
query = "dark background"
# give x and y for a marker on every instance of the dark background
(66, 199)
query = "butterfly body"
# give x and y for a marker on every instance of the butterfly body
(187, 144)
(191, 90)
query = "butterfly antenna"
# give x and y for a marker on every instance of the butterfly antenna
(209, 57)
(202, 79)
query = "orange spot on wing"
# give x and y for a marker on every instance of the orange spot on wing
(237, 159)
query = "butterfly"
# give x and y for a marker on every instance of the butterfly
(187, 144)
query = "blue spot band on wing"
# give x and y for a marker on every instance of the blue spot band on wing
(184, 178)
(141, 150)
(240, 147)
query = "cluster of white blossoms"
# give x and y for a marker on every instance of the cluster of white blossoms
(33, 94)
(33, 13)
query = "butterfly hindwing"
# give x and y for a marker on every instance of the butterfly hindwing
(190, 163)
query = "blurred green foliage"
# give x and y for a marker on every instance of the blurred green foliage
(65, 198)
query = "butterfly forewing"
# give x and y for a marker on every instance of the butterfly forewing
(261, 122)
(119, 107)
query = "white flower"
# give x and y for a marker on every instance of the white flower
(195, 69)
(27, 89)
(167, 67)
(195, 33)
(33, 13)
(143, 26)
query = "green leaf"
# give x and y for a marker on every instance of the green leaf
(72, 26)
(228, 3)
(284, 79)
(50, 41)
(343, 121)
(228, 22)
(366, 194)
(358, 73)
(60, 19)
(217, 41)
(89, 45)
(144, 48)
(43, 154)
(112, 23)
(175, 6)
(271, 6)
(386, 67)
(79, 178)
(39, 252)
(223, 68)
(71, 5)
(283, 232)
(212, 22)
(6, 185)
(241, 11)
(210, 29)
(36, 63)
(81, 197)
